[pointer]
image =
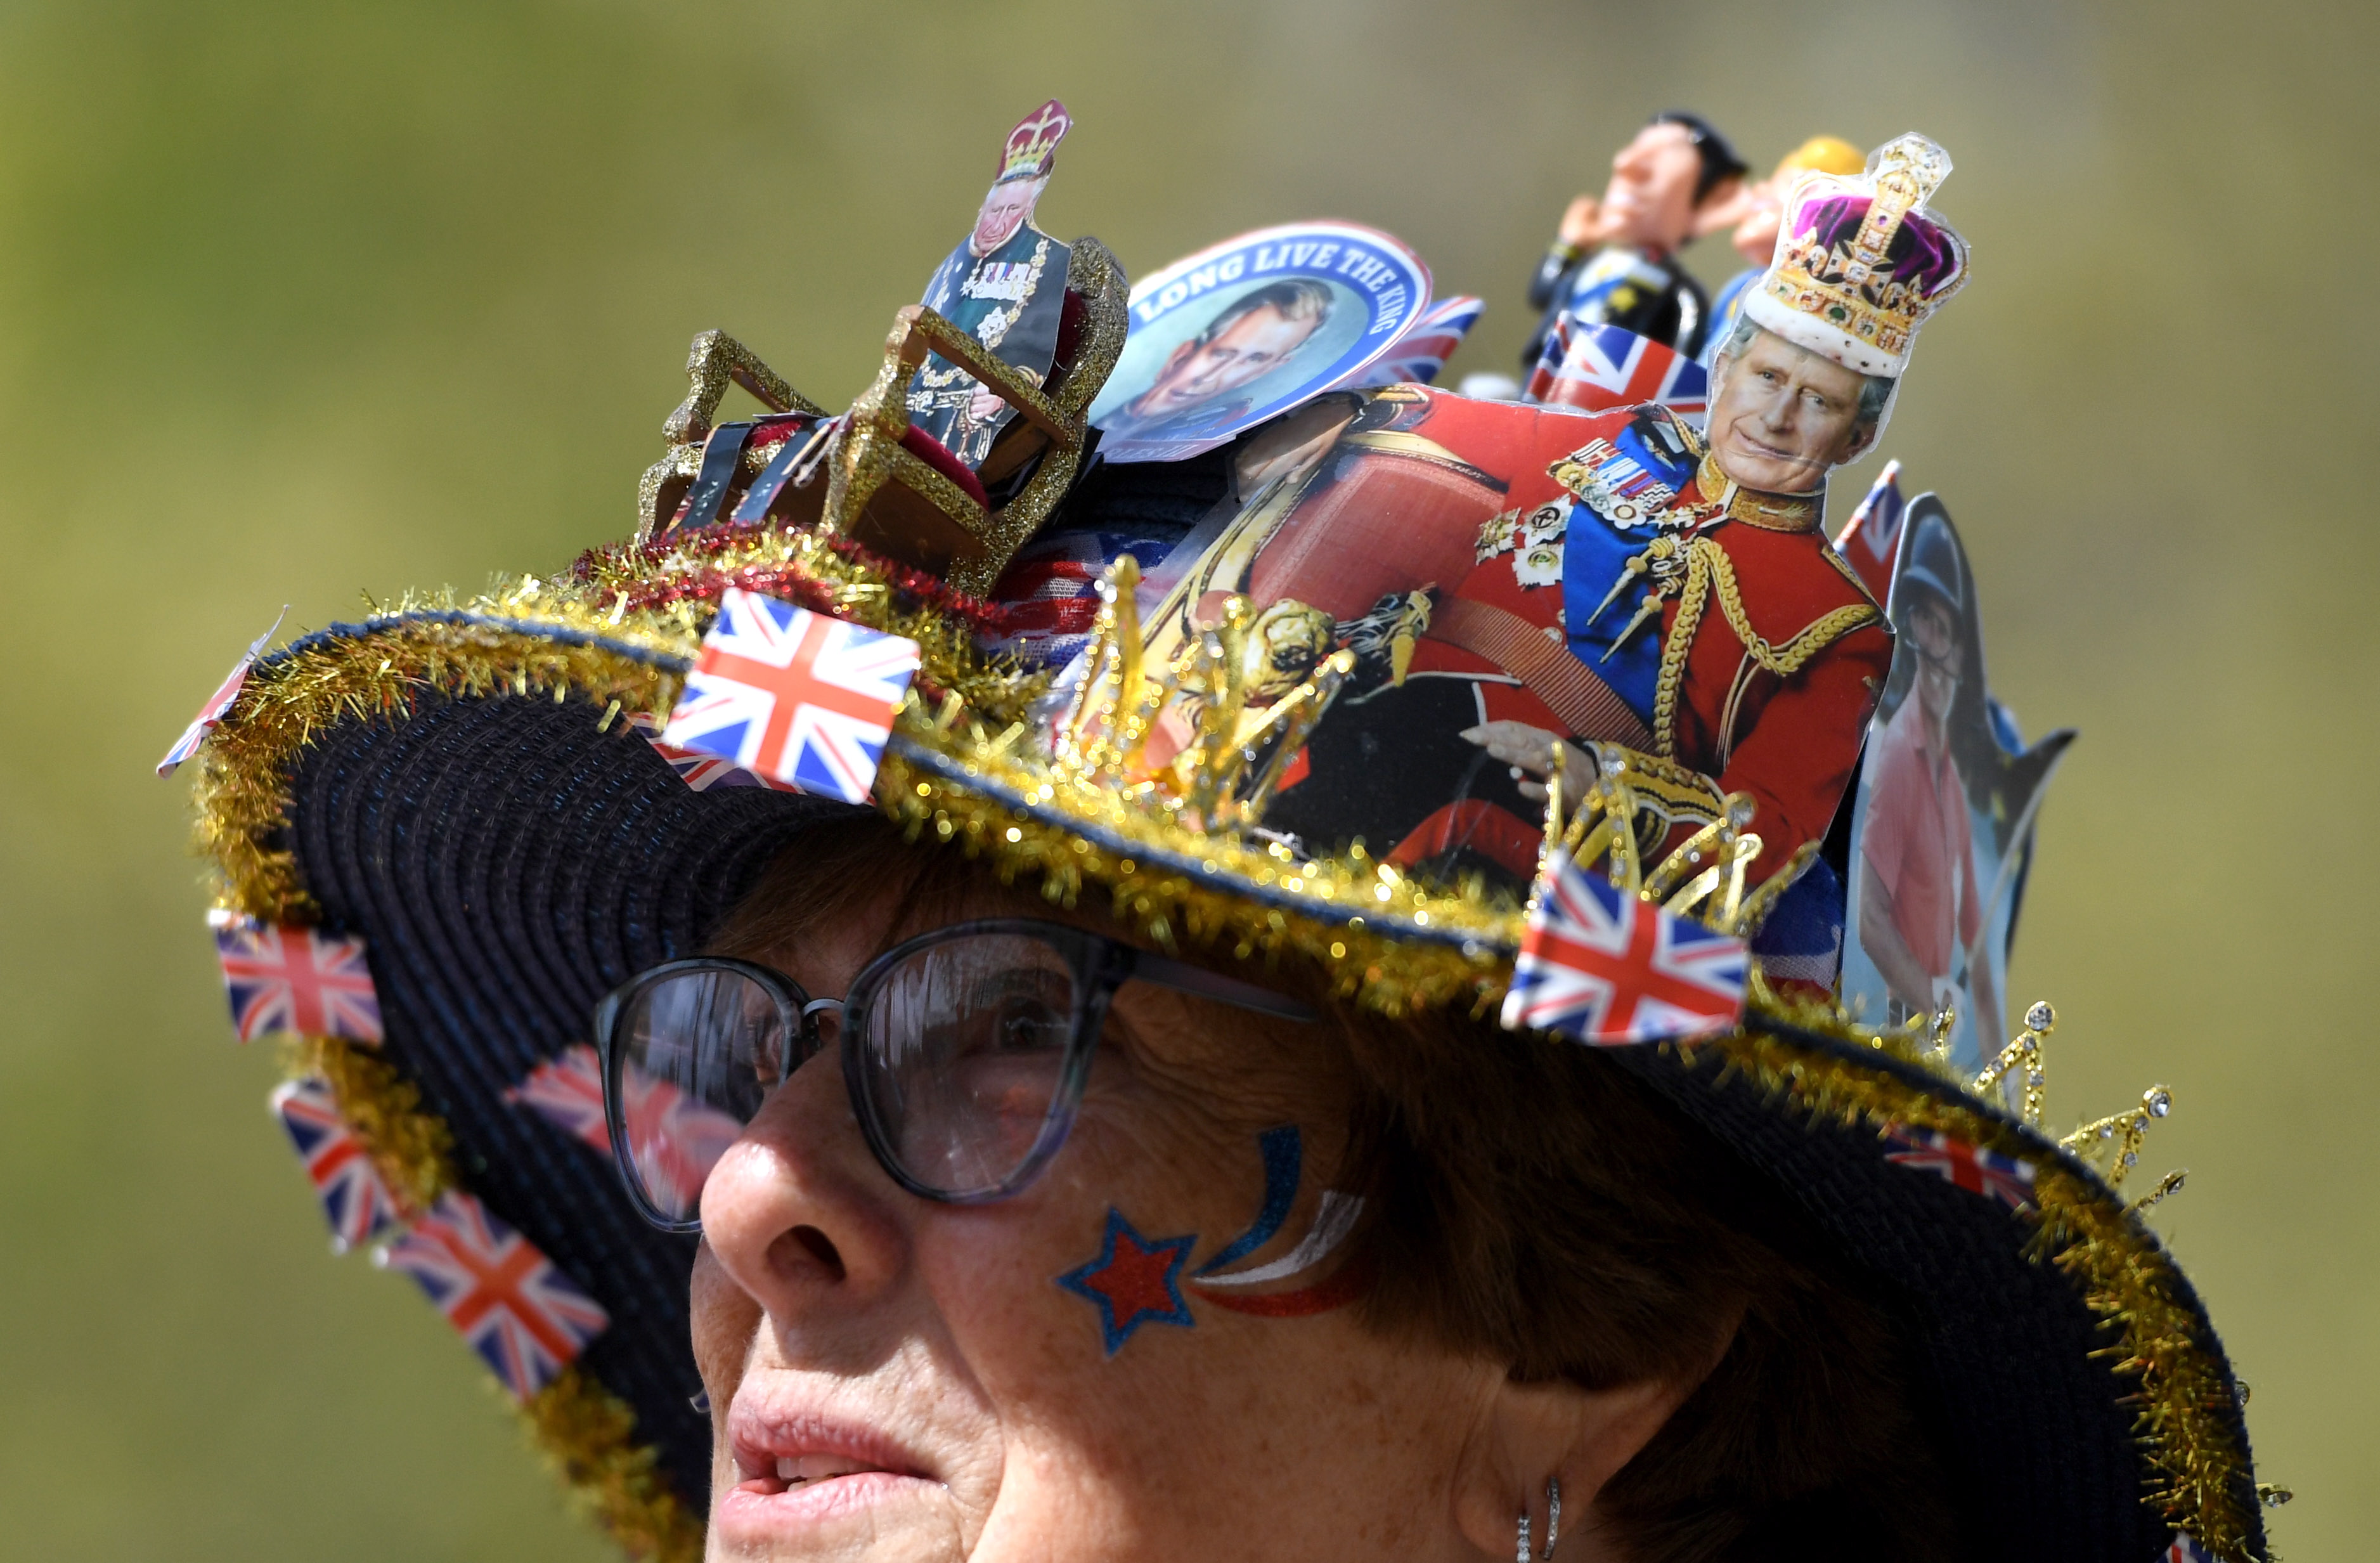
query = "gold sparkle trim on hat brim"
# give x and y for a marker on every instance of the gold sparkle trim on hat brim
(2185, 1404)
(945, 776)
(585, 1431)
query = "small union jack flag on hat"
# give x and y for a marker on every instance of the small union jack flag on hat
(1955, 1162)
(287, 979)
(355, 1199)
(2185, 1549)
(1420, 353)
(526, 1317)
(699, 771)
(1871, 539)
(217, 703)
(796, 696)
(1605, 965)
(676, 1139)
(1601, 367)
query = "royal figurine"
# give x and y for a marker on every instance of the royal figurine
(1006, 286)
(1625, 579)
(1614, 261)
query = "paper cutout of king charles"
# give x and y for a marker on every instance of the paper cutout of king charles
(1006, 286)
(1513, 579)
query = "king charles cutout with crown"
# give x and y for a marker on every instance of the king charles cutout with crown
(1006, 286)
(1520, 584)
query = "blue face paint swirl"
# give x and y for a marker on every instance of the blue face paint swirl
(1284, 1157)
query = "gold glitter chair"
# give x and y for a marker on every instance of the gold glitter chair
(889, 487)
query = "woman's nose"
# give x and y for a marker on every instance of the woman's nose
(797, 1212)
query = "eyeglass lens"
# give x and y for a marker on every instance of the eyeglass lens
(700, 1050)
(958, 1064)
(962, 1058)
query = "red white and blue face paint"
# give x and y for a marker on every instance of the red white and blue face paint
(1334, 1218)
(1137, 1280)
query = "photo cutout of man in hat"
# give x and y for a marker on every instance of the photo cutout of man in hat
(1006, 286)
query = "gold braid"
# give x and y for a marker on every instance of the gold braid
(1708, 565)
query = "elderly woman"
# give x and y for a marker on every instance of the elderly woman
(1085, 1169)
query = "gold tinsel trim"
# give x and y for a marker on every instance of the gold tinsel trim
(569, 635)
(2183, 1403)
(589, 1433)
(1171, 905)
(413, 1150)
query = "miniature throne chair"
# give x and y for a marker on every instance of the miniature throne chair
(869, 475)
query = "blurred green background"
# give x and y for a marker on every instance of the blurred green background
(297, 300)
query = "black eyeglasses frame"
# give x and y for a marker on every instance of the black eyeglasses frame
(1099, 965)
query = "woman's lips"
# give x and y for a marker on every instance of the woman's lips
(796, 1468)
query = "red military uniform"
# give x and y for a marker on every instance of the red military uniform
(1769, 652)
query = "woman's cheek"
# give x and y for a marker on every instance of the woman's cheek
(725, 1321)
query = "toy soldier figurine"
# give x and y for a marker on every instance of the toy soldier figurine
(1006, 286)
(1614, 261)
(1638, 583)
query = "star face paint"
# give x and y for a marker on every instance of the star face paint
(1135, 1281)
(1335, 1217)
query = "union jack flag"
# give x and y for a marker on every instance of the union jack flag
(1049, 591)
(526, 1317)
(2185, 1549)
(1871, 539)
(1416, 356)
(699, 771)
(217, 703)
(1606, 966)
(355, 1199)
(1601, 367)
(793, 695)
(296, 980)
(676, 1139)
(1971, 1168)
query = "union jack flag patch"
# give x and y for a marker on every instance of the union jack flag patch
(357, 1202)
(1606, 966)
(1955, 1162)
(1871, 539)
(217, 703)
(699, 771)
(794, 696)
(1417, 357)
(1601, 367)
(526, 1317)
(2185, 1549)
(287, 979)
(676, 1139)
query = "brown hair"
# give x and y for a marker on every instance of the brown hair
(1530, 1201)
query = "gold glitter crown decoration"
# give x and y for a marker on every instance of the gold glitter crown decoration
(1859, 263)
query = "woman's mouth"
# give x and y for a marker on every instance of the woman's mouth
(795, 1471)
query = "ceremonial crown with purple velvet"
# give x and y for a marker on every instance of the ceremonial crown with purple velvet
(1859, 263)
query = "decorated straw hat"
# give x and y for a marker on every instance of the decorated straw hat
(443, 833)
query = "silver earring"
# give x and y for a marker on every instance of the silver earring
(1553, 1514)
(1521, 1553)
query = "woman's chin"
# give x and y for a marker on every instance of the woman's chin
(769, 1519)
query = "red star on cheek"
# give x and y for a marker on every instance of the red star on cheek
(1134, 1281)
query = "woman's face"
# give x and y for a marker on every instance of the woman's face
(1045, 1378)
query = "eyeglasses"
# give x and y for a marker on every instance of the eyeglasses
(965, 1051)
